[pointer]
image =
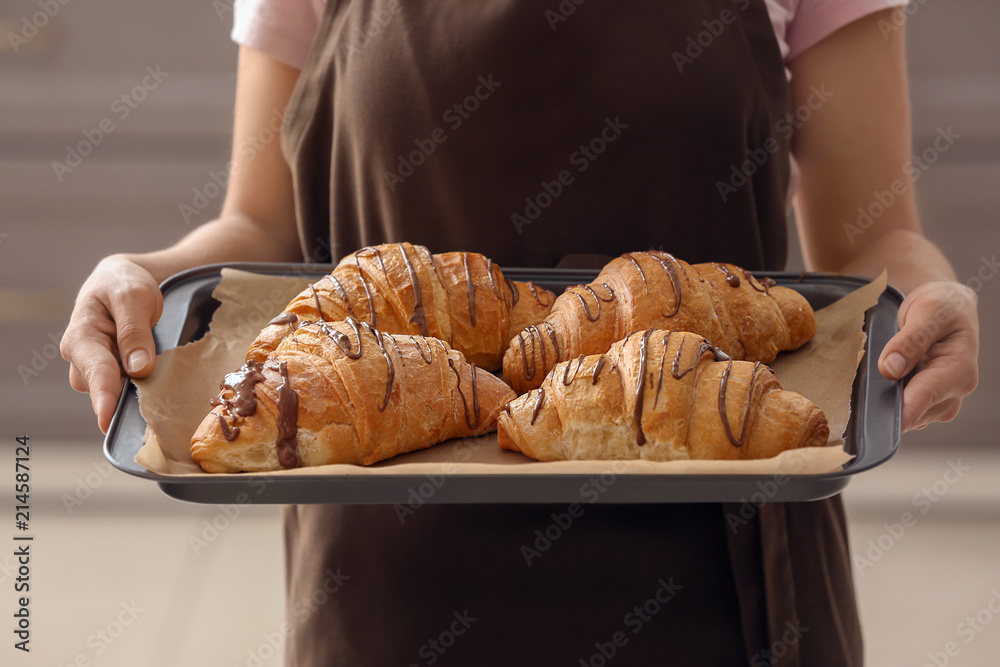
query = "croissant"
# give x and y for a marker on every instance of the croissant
(343, 392)
(747, 319)
(461, 298)
(661, 396)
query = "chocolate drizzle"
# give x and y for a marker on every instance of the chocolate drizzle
(765, 283)
(241, 383)
(552, 337)
(704, 348)
(430, 260)
(541, 345)
(534, 292)
(640, 388)
(285, 318)
(418, 300)
(597, 369)
(430, 353)
(675, 280)
(531, 332)
(659, 380)
(226, 433)
(723, 386)
(731, 278)
(364, 283)
(538, 404)
(514, 293)
(475, 394)
(343, 341)
(470, 288)
(566, 378)
(378, 256)
(395, 344)
(489, 274)
(288, 414)
(390, 367)
(319, 309)
(597, 299)
(342, 293)
(638, 268)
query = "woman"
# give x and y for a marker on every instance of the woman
(541, 135)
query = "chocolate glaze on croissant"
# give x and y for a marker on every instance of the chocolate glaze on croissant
(343, 392)
(660, 395)
(461, 298)
(749, 320)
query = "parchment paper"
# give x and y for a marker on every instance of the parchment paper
(174, 399)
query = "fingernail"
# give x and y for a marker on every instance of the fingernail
(137, 361)
(895, 364)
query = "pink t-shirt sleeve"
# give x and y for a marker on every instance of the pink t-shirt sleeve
(283, 29)
(814, 20)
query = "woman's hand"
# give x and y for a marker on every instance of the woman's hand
(939, 336)
(112, 321)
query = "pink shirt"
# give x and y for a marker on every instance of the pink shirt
(285, 29)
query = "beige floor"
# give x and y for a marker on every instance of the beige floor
(125, 555)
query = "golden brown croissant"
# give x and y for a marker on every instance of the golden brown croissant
(461, 298)
(342, 392)
(660, 395)
(747, 319)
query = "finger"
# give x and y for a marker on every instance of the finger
(100, 374)
(77, 380)
(134, 312)
(940, 381)
(945, 411)
(926, 318)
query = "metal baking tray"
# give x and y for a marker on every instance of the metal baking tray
(872, 434)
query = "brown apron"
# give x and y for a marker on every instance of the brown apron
(539, 133)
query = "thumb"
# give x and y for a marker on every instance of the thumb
(922, 322)
(134, 319)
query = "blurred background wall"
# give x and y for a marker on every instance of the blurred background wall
(155, 151)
